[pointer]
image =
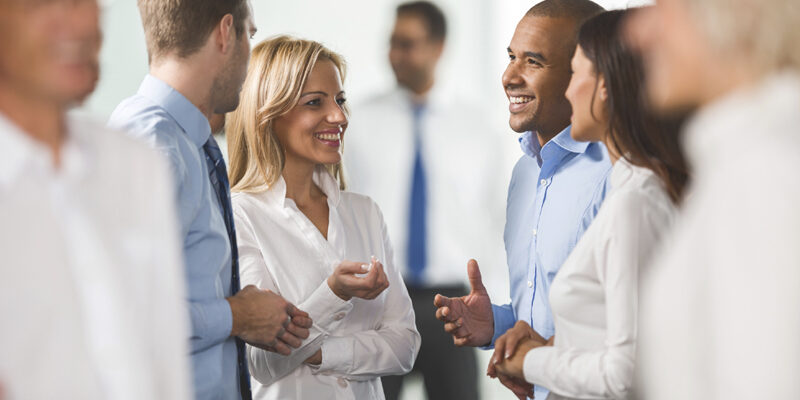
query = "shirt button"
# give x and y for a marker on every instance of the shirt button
(342, 382)
(534, 232)
(530, 284)
(543, 181)
(338, 316)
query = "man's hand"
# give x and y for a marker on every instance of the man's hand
(346, 284)
(266, 320)
(468, 318)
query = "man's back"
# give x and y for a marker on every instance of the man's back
(175, 127)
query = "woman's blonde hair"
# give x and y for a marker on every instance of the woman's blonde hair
(278, 70)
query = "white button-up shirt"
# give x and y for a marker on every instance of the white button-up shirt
(280, 249)
(594, 297)
(91, 291)
(721, 308)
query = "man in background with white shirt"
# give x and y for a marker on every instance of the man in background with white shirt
(91, 294)
(431, 163)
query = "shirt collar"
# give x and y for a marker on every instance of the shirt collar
(620, 173)
(531, 147)
(276, 194)
(193, 122)
(18, 151)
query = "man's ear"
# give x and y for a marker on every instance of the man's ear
(225, 34)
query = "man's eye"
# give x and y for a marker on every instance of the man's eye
(511, 57)
(534, 62)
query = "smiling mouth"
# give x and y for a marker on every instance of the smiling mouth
(331, 139)
(520, 99)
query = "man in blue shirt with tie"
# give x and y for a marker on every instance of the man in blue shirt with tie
(556, 188)
(199, 50)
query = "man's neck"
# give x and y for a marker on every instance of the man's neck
(419, 93)
(546, 136)
(41, 119)
(188, 78)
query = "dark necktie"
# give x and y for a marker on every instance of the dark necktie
(219, 180)
(417, 250)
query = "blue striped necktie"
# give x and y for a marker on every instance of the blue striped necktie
(219, 180)
(417, 250)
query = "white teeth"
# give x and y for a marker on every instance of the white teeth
(333, 137)
(520, 100)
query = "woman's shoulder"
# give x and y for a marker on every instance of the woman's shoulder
(360, 203)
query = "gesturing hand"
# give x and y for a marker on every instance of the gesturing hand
(468, 318)
(266, 320)
(346, 284)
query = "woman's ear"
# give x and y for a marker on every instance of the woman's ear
(602, 91)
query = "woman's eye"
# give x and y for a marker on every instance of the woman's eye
(314, 102)
(341, 101)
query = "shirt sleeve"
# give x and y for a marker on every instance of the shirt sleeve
(606, 372)
(388, 350)
(169, 326)
(325, 308)
(504, 319)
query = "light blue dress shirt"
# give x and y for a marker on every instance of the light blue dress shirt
(174, 126)
(554, 194)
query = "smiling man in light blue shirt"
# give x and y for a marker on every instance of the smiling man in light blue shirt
(556, 188)
(199, 50)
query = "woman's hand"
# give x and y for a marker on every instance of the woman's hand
(315, 359)
(351, 279)
(510, 350)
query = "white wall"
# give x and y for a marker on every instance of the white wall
(475, 57)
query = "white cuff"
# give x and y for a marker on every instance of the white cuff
(326, 309)
(337, 356)
(534, 363)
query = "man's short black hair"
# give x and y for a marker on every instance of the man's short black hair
(577, 10)
(430, 14)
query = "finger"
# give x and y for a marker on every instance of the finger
(298, 331)
(462, 341)
(440, 315)
(499, 349)
(295, 312)
(474, 274)
(456, 329)
(350, 268)
(290, 339)
(491, 371)
(302, 322)
(282, 348)
(441, 301)
(511, 343)
(514, 386)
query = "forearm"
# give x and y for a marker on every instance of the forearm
(212, 322)
(327, 311)
(571, 372)
(366, 355)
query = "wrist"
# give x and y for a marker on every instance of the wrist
(334, 289)
(236, 328)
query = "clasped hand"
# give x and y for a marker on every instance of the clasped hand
(354, 279)
(507, 361)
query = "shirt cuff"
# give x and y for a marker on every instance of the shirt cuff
(337, 356)
(504, 320)
(215, 320)
(534, 363)
(326, 309)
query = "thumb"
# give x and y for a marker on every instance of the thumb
(474, 274)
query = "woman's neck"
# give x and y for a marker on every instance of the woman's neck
(613, 152)
(299, 178)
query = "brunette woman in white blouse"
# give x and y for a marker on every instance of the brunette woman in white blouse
(594, 297)
(302, 236)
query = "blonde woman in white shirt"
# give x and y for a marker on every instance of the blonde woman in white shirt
(594, 297)
(302, 236)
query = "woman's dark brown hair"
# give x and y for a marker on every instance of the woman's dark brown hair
(641, 137)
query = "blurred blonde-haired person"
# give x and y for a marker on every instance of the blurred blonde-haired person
(303, 236)
(720, 312)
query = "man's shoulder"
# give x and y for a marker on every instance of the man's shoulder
(142, 117)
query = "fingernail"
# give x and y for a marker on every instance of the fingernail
(508, 354)
(458, 324)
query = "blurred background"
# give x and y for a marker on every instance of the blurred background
(474, 59)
